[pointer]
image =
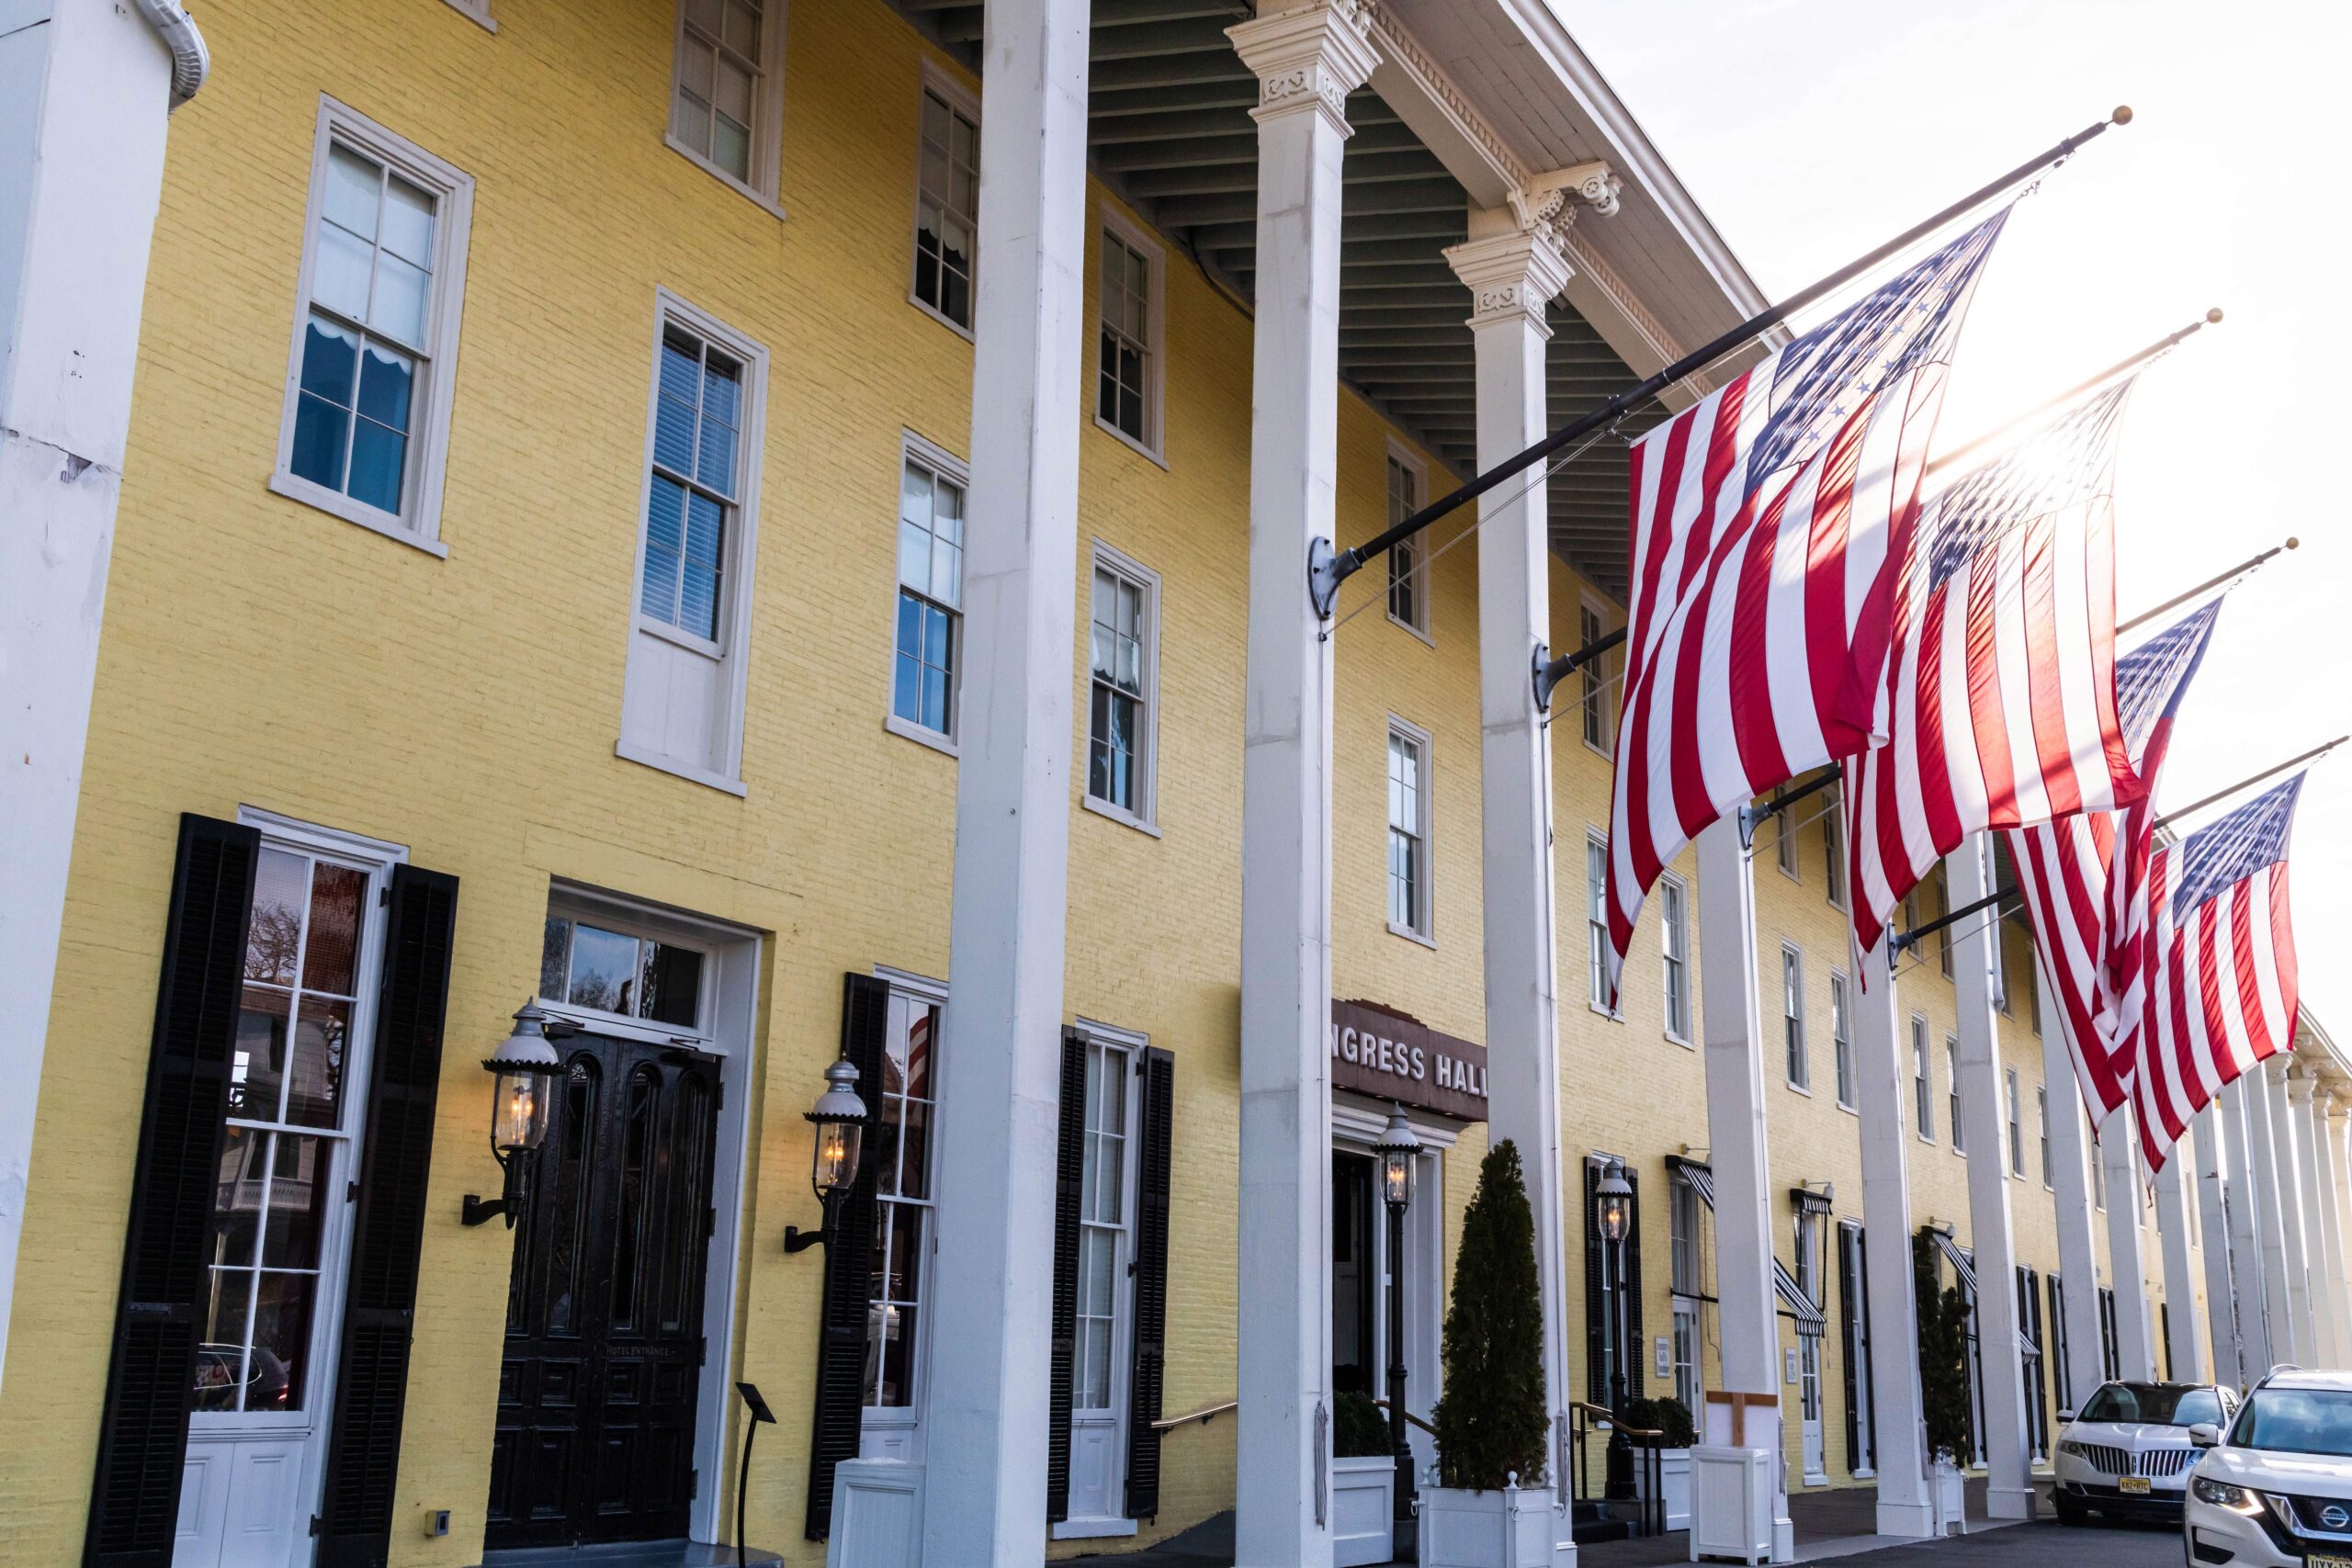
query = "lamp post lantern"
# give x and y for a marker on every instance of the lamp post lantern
(1399, 1153)
(522, 1108)
(1615, 1198)
(839, 1117)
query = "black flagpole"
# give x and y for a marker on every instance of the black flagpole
(1330, 571)
(1929, 928)
(2214, 581)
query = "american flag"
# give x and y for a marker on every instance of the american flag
(2221, 965)
(1999, 703)
(1766, 520)
(2080, 875)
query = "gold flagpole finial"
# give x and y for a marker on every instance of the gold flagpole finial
(2123, 115)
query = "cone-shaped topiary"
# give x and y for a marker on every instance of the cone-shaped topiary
(1490, 1421)
(1943, 1357)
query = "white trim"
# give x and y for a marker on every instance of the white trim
(1412, 463)
(768, 112)
(1421, 739)
(914, 985)
(1093, 1530)
(731, 649)
(1590, 602)
(1790, 950)
(943, 465)
(475, 11)
(1110, 558)
(1689, 997)
(1841, 983)
(1155, 397)
(961, 100)
(419, 521)
(1594, 839)
(921, 737)
(1923, 1090)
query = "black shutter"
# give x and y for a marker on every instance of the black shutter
(2163, 1326)
(1155, 1127)
(1862, 1267)
(142, 1431)
(1596, 1328)
(1849, 1305)
(849, 1263)
(380, 1310)
(2065, 1381)
(1637, 1348)
(1069, 1180)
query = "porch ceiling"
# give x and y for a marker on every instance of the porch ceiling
(1170, 130)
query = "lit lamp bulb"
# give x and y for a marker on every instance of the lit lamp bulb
(1615, 1195)
(526, 1065)
(840, 1118)
(1398, 1151)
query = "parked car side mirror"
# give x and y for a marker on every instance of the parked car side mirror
(2204, 1435)
(2064, 1416)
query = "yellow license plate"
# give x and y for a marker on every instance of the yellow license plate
(2323, 1560)
(2137, 1486)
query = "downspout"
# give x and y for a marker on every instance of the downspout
(191, 61)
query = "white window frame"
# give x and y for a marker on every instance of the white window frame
(739, 551)
(1593, 688)
(1674, 956)
(1784, 847)
(2041, 1117)
(1797, 1050)
(767, 111)
(959, 99)
(1952, 1095)
(943, 465)
(1425, 931)
(907, 1421)
(452, 189)
(1110, 558)
(1109, 220)
(1841, 1036)
(476, 11)
(1833, 848)
(2017, 1122)
(1923, 1080)
(1128, 1044)
(1414, 550)
(1596, 850)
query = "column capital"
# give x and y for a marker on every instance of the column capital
(1512, 275)
(1307, 57)
(2298, 1087)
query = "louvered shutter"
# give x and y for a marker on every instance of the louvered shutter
(1596, 1328)
(849, 1262)
(1154, 1151)
(159, 1319)
(1636, 1345)
(1850, 1312)
(1862, 1267)
(380, 1310)
(1069, 1180)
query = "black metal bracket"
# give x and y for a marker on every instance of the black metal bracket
(482, 1211)
(797, 1240)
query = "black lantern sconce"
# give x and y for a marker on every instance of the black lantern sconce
(1399, 1152)
(839, 1117)
(1614, 1213)
(522, 1108)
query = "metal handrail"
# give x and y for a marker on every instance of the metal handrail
(1601, 1412)
(1410, 1418)
(1205, 1413)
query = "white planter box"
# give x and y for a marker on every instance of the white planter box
(1673, 1483)
(1510, 1528)
(1363, 1510)
(877, 1515)
(1731, 1503)
(1944, 1486)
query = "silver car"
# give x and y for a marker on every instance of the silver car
(2126, 1454)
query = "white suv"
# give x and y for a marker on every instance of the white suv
(2276, 1490)
(2126, 1454)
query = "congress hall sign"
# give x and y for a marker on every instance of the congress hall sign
(1391, 1057)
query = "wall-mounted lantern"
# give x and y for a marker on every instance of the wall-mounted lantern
(521, 1109)
(839, 1117)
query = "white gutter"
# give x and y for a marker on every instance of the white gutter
(191, 61)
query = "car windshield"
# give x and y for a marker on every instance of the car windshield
(2299, 1420)
(2160, 1404)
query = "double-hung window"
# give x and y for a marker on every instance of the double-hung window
(1687, 1263)
(2017, 1124)
(1792, 1019)
(947, 196)
(905, 1106)
(1593, 705)
(1123, 635)
(2042, 1120)
(1409, 577)
(727, 92)
(929, 617)
(1784, 846)
(1674, 937)
(683, 705)
(1952, 1095)
(1841, 1037)
(1923, 1088)
(1409, 902)
(1103, 1222)
(1596, 919)
(368, 382)
(1833, 850)
(1127, 368)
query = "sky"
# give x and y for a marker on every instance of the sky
(1812, 129)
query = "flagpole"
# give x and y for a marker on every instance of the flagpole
(1330, 572)
(1930, 928)
(2214, 581)
(2128, 362)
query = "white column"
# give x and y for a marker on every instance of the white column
(1000, 1072)
(1904, 1507)
(1732, 1032)
(2134, 1348)
(2322, 1345)
(2208, 1143)
(1309, 61)
(2328, 1298)
(2184, 1349)
(1512, 275)
(2070, 1179)
(2292, 1226)
(2249, 1249)
(1983, 1098)
(85, 86)
(2332, 1175)
(2268, 1184)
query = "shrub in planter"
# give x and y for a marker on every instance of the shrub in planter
(1667, 1416)
(1363, 1430)
(1943, 1358)
(1490, 1421)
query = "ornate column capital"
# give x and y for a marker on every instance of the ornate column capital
(2298, 1087)
(1547, 201)
(1511, 275)
(1308, 57)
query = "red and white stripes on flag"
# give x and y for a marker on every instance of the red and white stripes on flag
(2080, 876)
(2221, 965)
(1999, 704)
(1768, 521)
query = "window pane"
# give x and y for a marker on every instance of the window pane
(237, 1198)
(673, 984)
(398, 307)
(354, 184)
(281, 1341)
(320, 433)
(322, 1047)
(743, 30)
(408, 222)
(330, 360)
(330, 957)
(664, 544)
(377, 457)
(221, 1358)
(257, 1071)
(691, 120)
(340, 271)
(299, 1184)
(730, 145)
(946, 571)
(385, 379)
(555, 957)
(281, 889)
(604, 969)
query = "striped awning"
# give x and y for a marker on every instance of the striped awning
(1702, 1180)
(2026, 1347)
(1798, 1305)
(1959, 1260)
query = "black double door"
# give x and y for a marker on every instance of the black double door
(604, 1313)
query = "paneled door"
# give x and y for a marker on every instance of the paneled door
(604, 1312)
